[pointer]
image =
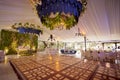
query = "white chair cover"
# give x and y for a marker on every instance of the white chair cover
(95, 55)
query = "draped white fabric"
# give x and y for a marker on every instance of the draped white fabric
(100, 22)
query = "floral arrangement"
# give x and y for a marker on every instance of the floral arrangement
(59, 21)
(27, 26)
(64, 19)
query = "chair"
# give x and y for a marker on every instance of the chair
(102, 56)
(95, 55)
(2, 55)
(88, 55)
(82, 54)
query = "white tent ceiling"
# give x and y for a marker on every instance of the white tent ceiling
(100, 22)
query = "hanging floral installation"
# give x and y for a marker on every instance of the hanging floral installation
(27, 28)
(61, 14)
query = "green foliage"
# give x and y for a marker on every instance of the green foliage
(42, 45)
(59, 20)
(70, 22)
(11, 51)
(26, 53)
(12, 40)
(27, 25)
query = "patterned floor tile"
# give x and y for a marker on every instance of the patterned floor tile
(55, 67)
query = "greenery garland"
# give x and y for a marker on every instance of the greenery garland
(27, 25)
(59, 21)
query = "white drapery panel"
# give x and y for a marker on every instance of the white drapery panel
(101, 20)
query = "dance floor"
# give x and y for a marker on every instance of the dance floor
(63, 67)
